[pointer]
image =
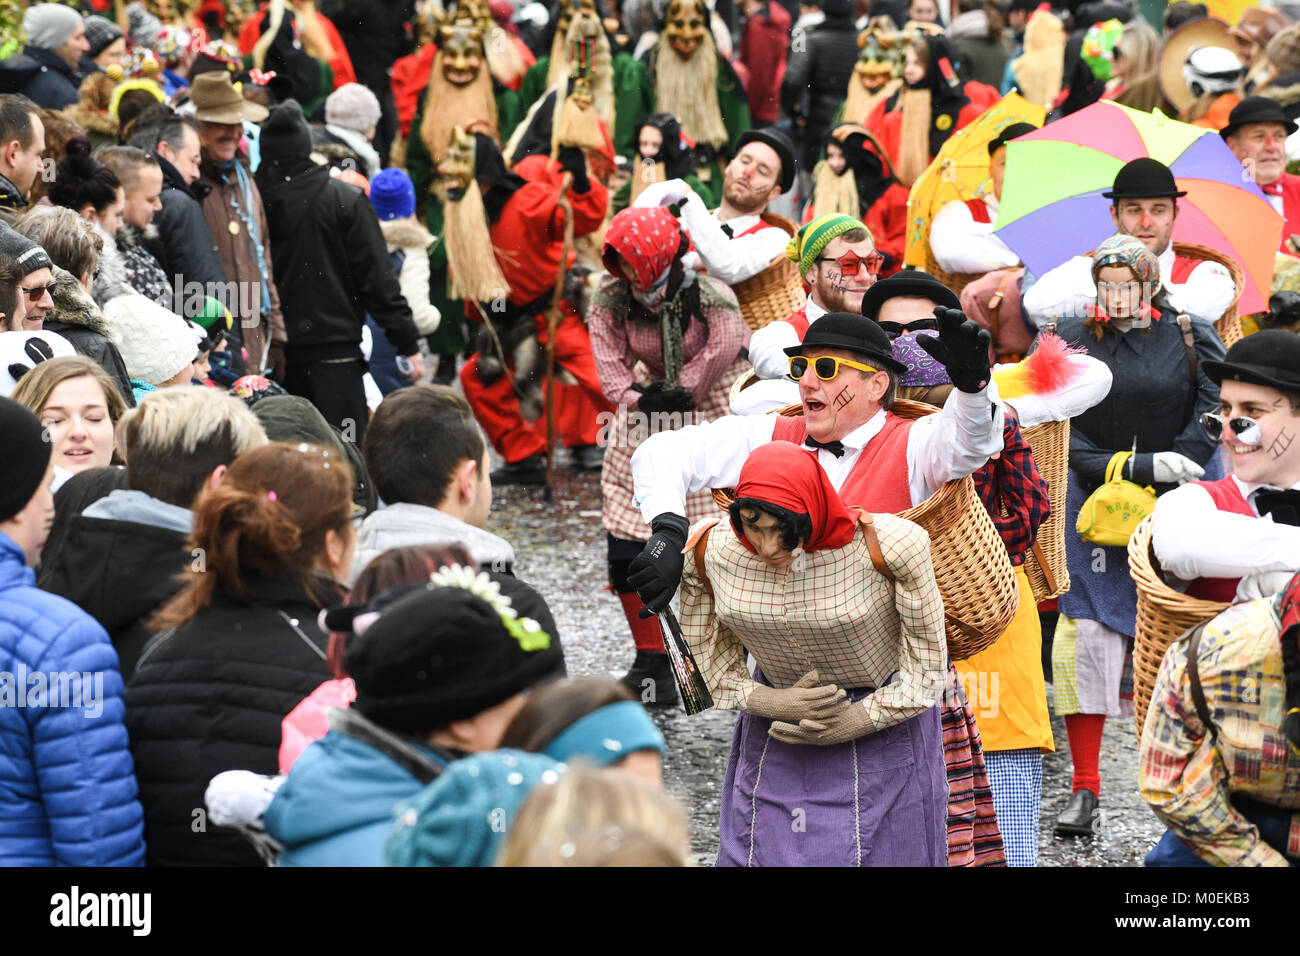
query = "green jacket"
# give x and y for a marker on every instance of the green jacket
(633, 97)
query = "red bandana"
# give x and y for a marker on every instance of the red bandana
(783, 474)
(646, 238)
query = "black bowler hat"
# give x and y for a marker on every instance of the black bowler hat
(1257, 109)
(844, 330)
(780, 143)
(1008, 134)
(1144, 178)
(909, 282)
(1270, 357)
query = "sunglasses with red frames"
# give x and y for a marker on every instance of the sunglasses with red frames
(850, 261)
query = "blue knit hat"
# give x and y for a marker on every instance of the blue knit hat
(463, 817)
(392, 194)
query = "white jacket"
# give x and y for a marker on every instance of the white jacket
(414, 240)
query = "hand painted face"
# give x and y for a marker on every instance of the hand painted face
(461, 54)
(1265, 452)
(456, 169)
(766, 534)
(687, 24)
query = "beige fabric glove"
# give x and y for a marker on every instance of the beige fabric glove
(808, 699)
(847, 724)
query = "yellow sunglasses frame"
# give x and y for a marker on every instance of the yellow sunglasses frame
(812, 363)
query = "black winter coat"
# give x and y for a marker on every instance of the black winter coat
(376, 33)
(184, 245)
(76, 317)
(210, 697)
(42, 77)
(822, 69)
(331, 267)
(118, 572)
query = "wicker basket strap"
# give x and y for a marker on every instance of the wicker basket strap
(1185, 324)
(969, 630)
(700, 546)
(1044, 565)
(868, 525)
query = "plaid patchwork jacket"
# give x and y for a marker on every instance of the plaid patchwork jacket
(1014, 493)
(1188, 776)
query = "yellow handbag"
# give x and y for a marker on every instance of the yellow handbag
(1112, 512)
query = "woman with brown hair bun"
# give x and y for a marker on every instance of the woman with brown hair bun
(239, 646)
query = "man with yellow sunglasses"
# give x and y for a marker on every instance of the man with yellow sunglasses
(847, 378)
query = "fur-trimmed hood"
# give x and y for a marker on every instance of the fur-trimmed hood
(405, 234)
(1285, 89)
(92, 120)
(73, 305)
(129, 236)
(110, 276)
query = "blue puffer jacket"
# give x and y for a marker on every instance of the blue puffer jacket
(67, 784)
(336, 808)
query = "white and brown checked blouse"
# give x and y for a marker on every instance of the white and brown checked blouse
(838, 615)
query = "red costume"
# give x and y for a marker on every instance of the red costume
(1288, 190)
(1227, 497)
(763, 48)
(528, 237)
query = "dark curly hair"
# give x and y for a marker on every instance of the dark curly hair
(795, 527)
(81, 180)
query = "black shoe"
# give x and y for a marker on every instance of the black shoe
(526, 471)
(1079, 818)
(588, 457)
(651, 679)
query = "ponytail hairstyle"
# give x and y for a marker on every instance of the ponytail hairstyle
(81, 180)
(267, 519)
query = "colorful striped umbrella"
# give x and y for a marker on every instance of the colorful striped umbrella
(1052, 207)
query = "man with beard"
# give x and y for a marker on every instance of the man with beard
(620, 84)
(735, 241)
(839, 264)
(504, 238)
(695, 83)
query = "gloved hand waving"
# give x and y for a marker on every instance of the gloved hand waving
(668, 193)
(962, 348)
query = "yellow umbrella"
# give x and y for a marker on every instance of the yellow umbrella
(960, 171)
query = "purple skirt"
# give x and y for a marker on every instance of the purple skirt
(880, 800)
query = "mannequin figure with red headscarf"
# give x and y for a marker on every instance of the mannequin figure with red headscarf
(842, 614)
(668, 345)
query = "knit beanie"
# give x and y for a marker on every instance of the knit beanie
(156, 345)
(22, 250)
(446, 651)
(352, 106)
(143, 26)
(392, 194)
(27, 455)
(808, 243)
(285, 134)
(100, 34)
(463, 817)
(48, 25)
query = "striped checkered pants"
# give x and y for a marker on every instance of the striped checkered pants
(1016, 779)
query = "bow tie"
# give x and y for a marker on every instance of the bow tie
(1273, 189)
(1284, 506)
(726, 230)
(836, 448)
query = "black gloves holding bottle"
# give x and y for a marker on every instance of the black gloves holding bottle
(655, 397)
(962, 348)
(655, 573)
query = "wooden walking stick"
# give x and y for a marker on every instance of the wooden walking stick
(553, 317)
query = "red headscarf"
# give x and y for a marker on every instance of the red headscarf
(646, 238)
(783, 474)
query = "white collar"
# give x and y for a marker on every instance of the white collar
(862, 435)
(737, 224)
(813, 311)
(1166, 260)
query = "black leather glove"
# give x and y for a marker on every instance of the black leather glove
(655, 573)
(962, 348)
(573, 161)
(656, 398)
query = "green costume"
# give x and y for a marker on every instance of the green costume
(633, 97)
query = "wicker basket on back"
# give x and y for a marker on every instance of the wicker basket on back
(975, 575)
(1162, 616)
(777, 292)
(1045, 562)
(1229, 324)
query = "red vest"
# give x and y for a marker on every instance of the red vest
(879, 479)
(1227, 497)
(978, 211)
(1289, 187)
(1183, 269)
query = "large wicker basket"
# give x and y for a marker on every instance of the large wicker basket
(1045, 562)
(777, 292)
(1229, 324)
(1162, 615)
(975, 576)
